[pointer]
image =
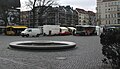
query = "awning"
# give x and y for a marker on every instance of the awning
(63, 28)
(72, 28)
(17, 26)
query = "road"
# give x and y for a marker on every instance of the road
(86, 55)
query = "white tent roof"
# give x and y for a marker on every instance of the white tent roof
(71, 28)
(63, 28)
(85, 25)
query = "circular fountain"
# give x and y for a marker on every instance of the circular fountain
(42, 45)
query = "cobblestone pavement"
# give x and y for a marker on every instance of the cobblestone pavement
(87, 54)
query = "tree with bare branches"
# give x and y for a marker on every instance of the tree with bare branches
(42, 6)
(5, 6)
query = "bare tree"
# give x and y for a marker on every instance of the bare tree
(42, 6)
(3, 13)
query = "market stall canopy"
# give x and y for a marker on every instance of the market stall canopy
(17, 27)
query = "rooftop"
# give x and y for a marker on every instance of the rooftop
(109, 0)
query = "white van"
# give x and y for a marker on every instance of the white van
(31, 32)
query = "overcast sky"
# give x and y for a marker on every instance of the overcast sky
(83, 4)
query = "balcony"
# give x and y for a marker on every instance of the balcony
(113, 12)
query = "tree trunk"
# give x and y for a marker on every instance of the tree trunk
(33, 22)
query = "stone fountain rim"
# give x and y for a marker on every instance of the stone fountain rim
(64, 45)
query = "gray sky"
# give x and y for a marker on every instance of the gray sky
(83, 4)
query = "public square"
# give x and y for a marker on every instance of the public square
(86, 55)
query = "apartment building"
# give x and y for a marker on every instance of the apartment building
(85, 17)
(82, 16)
(108, 12)
(62, 15)
(92, 18)
(52, 16)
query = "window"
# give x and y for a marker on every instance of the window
(105, 4)
(29, 30)
(115, 21)
(106, 15)
(109, 21)
(113, 3)
(109, 16)
(118, 21)
(114, 15)
(118, 14)
(118, 3)
(108, 4)
(114, 9)
(106, 21)
(111, 9)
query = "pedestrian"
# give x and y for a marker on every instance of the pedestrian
(73, 32)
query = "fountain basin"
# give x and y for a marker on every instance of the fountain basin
(43, 45)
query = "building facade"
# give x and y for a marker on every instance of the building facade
(92, 18)
(85, 17)
(25, 18)
(108, 12)
(62, 15)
